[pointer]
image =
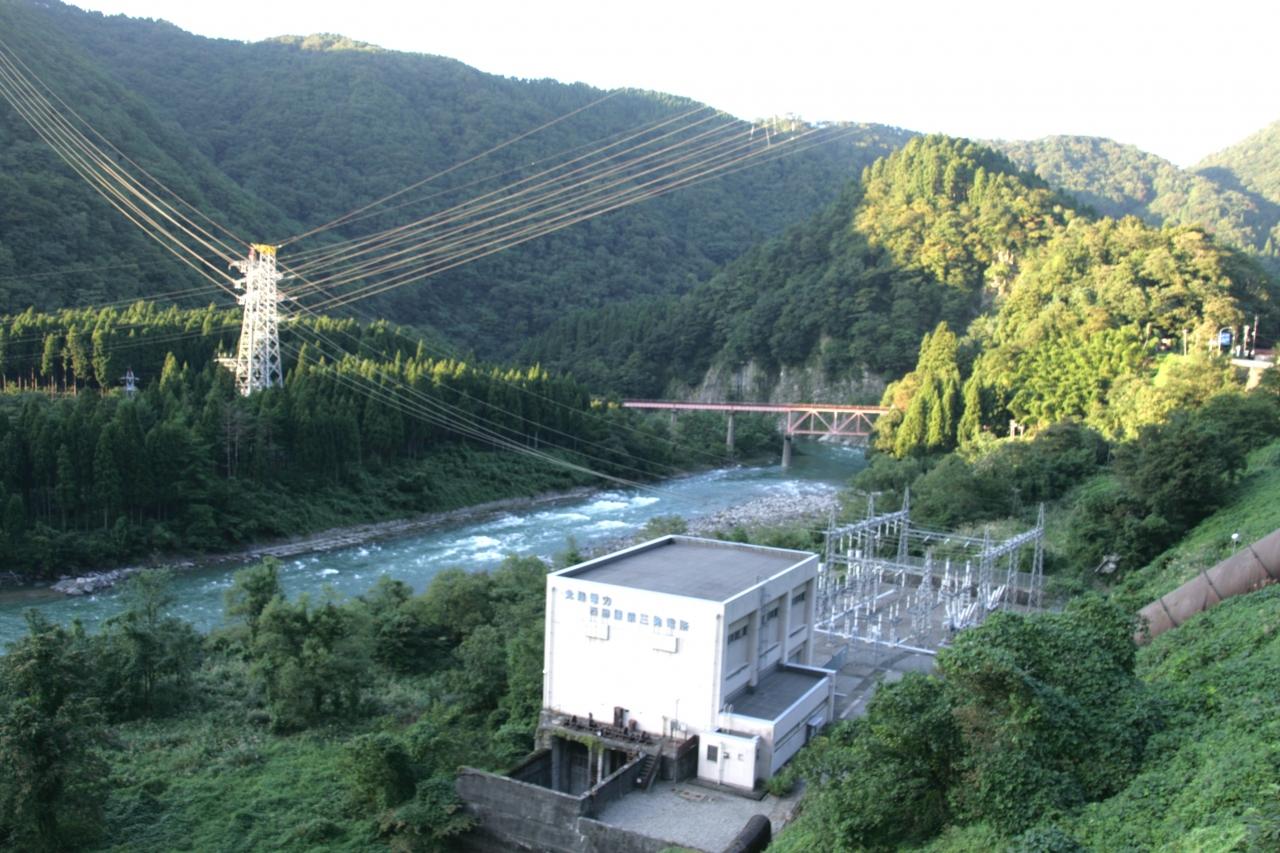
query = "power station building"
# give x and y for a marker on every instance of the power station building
(695, 652)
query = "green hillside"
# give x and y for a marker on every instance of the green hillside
(909, 245)
(1235, 195)
(1064, 308)
(1253, 163)
(61, 244)
(282, 135)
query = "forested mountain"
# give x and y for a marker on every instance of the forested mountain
(1063, 315)
(1235, 194)
(1253, 164)
(275, 137)
(917, 241)
(61, 244)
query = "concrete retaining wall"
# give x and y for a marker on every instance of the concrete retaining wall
(599, 837)
(516, 815)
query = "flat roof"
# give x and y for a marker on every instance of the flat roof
(688, 566)
(773, 694)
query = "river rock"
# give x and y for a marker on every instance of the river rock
(768, 511)
(91, 583)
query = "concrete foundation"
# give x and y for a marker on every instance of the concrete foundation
(512, 814)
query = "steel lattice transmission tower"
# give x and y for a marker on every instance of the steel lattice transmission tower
(257, 361)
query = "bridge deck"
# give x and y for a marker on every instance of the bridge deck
(777, 408)
(825, 419)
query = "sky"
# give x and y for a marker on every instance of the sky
(1178, 79)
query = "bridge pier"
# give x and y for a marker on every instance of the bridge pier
(728, 437)
(786, 450)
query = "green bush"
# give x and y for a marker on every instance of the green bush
(882, 781)
(378, 770)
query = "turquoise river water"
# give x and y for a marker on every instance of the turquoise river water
(478, 543)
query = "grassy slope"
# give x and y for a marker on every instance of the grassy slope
(1253, 513)
(1211, 778)
(215, 779)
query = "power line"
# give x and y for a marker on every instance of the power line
(531, 225)
(495, 197)
(116, 185)
(597, 146)
(346, 216)
(473, 252)
(232, 248)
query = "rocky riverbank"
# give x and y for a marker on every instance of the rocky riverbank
(771, 510)
(325, 540)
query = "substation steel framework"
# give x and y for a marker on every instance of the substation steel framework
(888, 584)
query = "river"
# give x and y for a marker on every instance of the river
(479, 543)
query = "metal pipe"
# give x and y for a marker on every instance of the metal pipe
(1249, 569)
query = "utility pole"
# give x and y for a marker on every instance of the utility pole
(257, 361)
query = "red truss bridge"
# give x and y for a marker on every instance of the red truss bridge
(797, 418)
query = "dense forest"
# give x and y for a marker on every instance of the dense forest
(369, 425)
(941, 231)
(1234, 194)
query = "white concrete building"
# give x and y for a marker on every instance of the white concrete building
(681, 638)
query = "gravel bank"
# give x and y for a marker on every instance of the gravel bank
(766, 511)
(325, 540)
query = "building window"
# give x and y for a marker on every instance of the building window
(595, 611)
(671, 624)
(684, 626)
(595, 599)
(631, 616)
(568, 593)
(657, 621)
(738, 634)
(604, 612)
(798, 597)
(644, 618)
(771, 614)
(607, 600)
(713, 754)
(582, 596)
(617, 614)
